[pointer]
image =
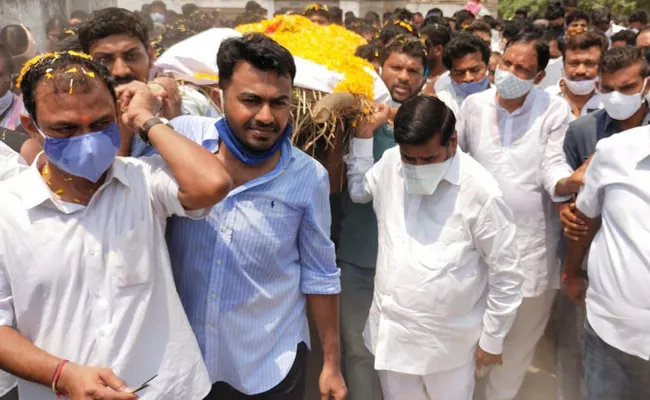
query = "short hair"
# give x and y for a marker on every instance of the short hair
(78, 14)
(393, 29)
(15, 39)
(318, 9)
(639, 16)
(372, 17)
(5, 57)
(601, 15)
(570, 3)
(554, 12)
(159, 4)
(541, 48)
(369, 52)
(408, 45)
(462, 16)
(618, 58)
(54, 64)
(436, 34)
(69, 43)
(336, 15)
(433, 20)
(257, 49)
(463, 44)
(479, 25)
(628, 36)
(363, 28)
(402, 14)
(188, 9)
(420, 118)
(522, 11)
(112, 21)
(577, 15)
(436, 12)
(585, 41)
(514, 28)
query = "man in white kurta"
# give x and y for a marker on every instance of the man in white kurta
(509, 131)
(448, 273)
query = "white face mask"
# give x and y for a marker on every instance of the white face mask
(621, 106)
(424, 179)
(509, 86)
(6, 101)
(580, 88)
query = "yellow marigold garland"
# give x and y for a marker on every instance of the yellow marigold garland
(43, 57)
(332, 46)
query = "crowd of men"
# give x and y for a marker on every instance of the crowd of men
(166, 240)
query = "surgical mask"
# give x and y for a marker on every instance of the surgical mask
(6, 101)
(158, 17)
(424, 179)
(509, 86)
(87, 156)
(243, 153)
(467, 88)
(621, 106)
(580, 88)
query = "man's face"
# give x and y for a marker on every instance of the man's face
(484, 36)
(626, 80)
(62, 115)
(431, 152)
(636, 25)
(643, 39)
(5, 77)
(619, 43)
(319, 19)
(257, 106)
(582, 65)
(156, 8)
(495, 59)
(417, 20)
(521, 60)
(554, 49)
(577, 26)
(403, 75)
(125, 57)
(470, 68)
(602, 26)
(52, 39)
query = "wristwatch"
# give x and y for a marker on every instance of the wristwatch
(144, 132)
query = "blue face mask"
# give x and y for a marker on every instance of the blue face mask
(244, 154)
(158, 17)
(467, 88)
(87, 156)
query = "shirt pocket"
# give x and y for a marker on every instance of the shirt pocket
(128, 258)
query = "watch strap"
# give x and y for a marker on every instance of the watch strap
(144, 132)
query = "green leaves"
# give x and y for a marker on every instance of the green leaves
(617, 7)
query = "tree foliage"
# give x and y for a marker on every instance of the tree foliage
(617, 7)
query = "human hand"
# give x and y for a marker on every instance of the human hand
(79, 382)
(574, 227)
(575, 288)
(485, 359)
(138, 103)
(378, 117)
(172, 101)
(331, 384)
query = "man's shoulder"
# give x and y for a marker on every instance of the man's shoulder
(633, 144)
(305, 164)
(586, 124)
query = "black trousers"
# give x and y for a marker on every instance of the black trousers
(291, 388)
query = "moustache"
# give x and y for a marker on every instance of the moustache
(123, 80)
(253, 125)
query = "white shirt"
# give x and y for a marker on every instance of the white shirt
(554, 72)
(617, 187)
(513, 147)
(443, 82)
(94, 284)
(11, 163)
(447, 272)
(594, 102)
(451, 100)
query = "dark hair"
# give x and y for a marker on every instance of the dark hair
(408, 45)
(369, 52)
(112, 21)
(257, 49)
(514, 28)
(69, 43)
(336, 15)
(159, 4)
(436, 34)
(462, 16)
(395, 28)
(554, 12)
(189, 8)
(522, 12)
(601, 15)
(420, 118)
(363, 28)
(317, 9)
(618, 58)
(54, 66)
(628, 36)
(15, 39)
(433, 20)
(372, 17)
(639, 16)
(5, 56)
(577, 15)
(463, 44)
(402, 14)
(570, 3)
(78, 14)
(146, 19)
(479, 25)
(436, 12)
(585, 41)
(541, 48)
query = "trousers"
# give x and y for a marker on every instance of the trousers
(570, 339)
(456, 384)
(504, 381)
(357, 285)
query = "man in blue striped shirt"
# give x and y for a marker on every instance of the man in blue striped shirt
(247, 272)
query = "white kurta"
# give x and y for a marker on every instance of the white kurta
(513, 148)
(447, 272)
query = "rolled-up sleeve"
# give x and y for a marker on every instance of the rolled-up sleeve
(494, 232)
(319, 273)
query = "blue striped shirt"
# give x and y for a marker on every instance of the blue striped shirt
(243, 272)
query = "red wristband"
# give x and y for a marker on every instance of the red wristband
(57, 375)
(565, 278)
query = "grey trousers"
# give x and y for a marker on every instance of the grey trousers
(571, 337)
(357, 285)
(12, 395)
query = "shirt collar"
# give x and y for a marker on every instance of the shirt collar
(527, 106)
(34, 191)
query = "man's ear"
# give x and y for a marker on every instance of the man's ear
(30, 127)
(540, 77)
